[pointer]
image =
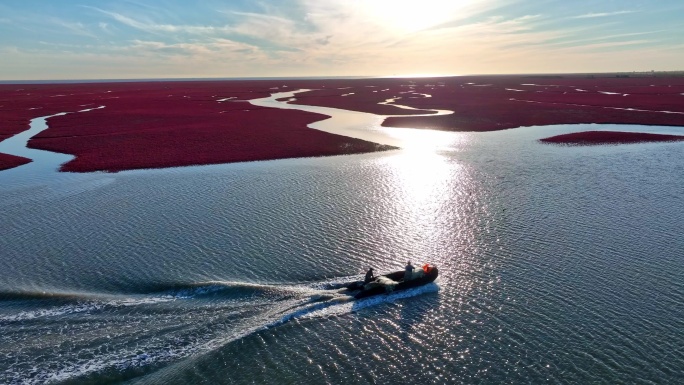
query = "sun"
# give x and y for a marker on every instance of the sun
(414, 15)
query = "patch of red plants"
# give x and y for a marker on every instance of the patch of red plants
(8, 161)
(588, 138)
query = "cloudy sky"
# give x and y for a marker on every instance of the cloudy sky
(110, 39)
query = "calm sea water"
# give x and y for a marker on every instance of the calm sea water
(558, 265)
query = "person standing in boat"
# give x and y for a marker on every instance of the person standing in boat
(369, 276)
(408, 273)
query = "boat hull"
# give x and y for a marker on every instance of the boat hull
(397, 276)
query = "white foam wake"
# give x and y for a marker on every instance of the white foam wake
(340, 304)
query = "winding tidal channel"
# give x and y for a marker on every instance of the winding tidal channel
(354, 124)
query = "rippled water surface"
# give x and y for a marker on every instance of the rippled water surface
(558, 264)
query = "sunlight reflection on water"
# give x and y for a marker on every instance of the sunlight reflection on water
(423, 185)
(421, 176)
(426, 141)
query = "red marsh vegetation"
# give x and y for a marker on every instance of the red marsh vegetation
(8, 161)
(588, 138)
(166, 124)
(488, 103)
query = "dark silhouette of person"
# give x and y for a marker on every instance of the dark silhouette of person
(408, 273)
(369, 276)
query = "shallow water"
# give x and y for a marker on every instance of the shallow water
(558, 264)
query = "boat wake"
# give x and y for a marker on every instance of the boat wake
(341, 304)
(127, 335)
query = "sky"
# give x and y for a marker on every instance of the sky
(119, 39)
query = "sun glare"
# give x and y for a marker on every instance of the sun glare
(427, 141)
(412, 15)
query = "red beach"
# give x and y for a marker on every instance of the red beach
(489, 103)
(181, 123)
(168, 124)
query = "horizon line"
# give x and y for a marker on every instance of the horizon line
(409, 76)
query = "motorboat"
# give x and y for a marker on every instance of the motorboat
(388, 283)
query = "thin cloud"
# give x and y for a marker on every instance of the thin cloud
(155, 28)
(74, 27)
(583, 41)
(256, 15)
(105, 27)
(614, 44)
(213, 50)
(601, 14)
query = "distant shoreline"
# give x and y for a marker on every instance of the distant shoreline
(157, 80)
(267, 78)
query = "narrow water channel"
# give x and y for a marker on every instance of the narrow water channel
(361, 125)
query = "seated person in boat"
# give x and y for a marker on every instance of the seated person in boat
(408, 272)
(369, 276)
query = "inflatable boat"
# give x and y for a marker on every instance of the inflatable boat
(392, 282)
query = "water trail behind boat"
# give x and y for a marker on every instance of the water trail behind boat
(118, 334)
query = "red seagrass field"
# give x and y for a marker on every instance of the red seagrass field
(180, 123)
